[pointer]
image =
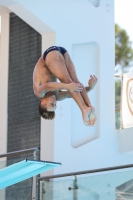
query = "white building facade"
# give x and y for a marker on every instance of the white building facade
(86, 30)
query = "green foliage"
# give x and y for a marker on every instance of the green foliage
(123, 49)
(117, 120)
(117, 94)
(117, 103)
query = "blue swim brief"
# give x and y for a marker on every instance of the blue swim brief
(53, 48)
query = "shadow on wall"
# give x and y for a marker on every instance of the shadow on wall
(96, 3)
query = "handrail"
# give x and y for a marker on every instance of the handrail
(36, 149)
(84, 172)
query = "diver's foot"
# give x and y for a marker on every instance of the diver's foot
(86, 113)
(92, 117)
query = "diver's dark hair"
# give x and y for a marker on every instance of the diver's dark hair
(46, 114)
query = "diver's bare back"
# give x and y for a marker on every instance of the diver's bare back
(41, 75)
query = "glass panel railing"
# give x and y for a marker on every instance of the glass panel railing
(116, 185)
(57, 190)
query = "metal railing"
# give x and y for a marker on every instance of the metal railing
(76, 185)
(34, 150)
(46, 178)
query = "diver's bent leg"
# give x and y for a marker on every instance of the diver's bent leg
(56, 65)
(72, 72)
(73, 75)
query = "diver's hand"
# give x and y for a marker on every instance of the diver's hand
(74, 87)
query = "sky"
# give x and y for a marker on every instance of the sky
(124, 15)
(124, 18)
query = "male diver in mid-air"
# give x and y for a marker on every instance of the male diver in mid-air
(55, 64)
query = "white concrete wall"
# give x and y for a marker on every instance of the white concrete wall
(86, 30)
(4, 46)
(4, 81)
